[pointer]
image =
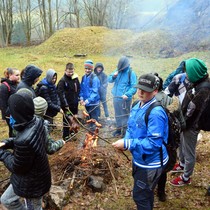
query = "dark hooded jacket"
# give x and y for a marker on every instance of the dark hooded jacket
(68, 90)
(5, 93)
(195, 99)
(28, 163)
(47, 90)
(31, 72)
(103, 79)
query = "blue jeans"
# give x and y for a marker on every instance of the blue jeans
(12, 201)
(122, 112)
(145, 181)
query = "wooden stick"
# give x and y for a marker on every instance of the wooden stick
(72, 181)
(114, 180)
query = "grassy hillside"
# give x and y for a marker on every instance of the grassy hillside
(101, 45)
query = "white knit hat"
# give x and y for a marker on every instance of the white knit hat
(40, 106)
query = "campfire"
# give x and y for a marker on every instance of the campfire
(85, 165)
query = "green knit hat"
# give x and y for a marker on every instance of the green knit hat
(196, 69)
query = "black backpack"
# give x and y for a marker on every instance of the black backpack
(173, 135)
(204, 118)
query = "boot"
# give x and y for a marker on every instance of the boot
(161, 196)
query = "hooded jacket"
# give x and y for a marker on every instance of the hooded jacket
(28, 163)
(68, 91)
(144, 141)
(89, 92)
(124, 83)
(194, 103)
(102, 77)
(31, 72)
(5, 93)
(48, 91)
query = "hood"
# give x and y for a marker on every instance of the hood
(98, 65)
(31, 72)
(50, 74)
(196, 69)
(123, 64)
(21, 107)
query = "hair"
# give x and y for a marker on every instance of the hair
(9, 71)
(69, 66)
(160, 85)
(22, 73)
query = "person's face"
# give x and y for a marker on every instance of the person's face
(69, 72)
(88, 70)
(146, 96)
(98, 69)
(36, 80)
(54, 79)
(15, 76)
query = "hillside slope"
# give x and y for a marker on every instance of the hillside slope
(101, 40)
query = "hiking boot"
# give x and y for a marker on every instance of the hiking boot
(161, 196)
(179, 181)
(177, 168)
(116, 133)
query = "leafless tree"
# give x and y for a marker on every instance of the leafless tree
(6, 21)
(25, 16)
(96, 11)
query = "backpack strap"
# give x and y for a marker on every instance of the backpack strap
(153, 105)
(5, 83)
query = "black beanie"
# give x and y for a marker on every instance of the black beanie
(21, 107)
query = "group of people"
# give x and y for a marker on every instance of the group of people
(144, 140)
(29, 114)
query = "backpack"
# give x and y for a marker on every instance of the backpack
(204, 118)
(6, 84)
(173, 136)
(174, 126)
(92, 75)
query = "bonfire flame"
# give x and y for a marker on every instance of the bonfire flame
(91, 139)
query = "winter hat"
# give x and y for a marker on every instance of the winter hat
(40, 106)
(89, 64)
(123, 63)
(25, 91)
(196, 69)
(148, 82)
(21, 107)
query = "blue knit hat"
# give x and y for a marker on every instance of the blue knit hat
(89, 64)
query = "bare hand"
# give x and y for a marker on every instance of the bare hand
(125, 97)
(2, 144)
(119, 144)
(115, 74)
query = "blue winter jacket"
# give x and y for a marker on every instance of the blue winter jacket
(89, 91)
(124, 83)
(144, 141)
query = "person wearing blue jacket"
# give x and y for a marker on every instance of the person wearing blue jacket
(89, 92)
(145, 141)
(124, 79)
